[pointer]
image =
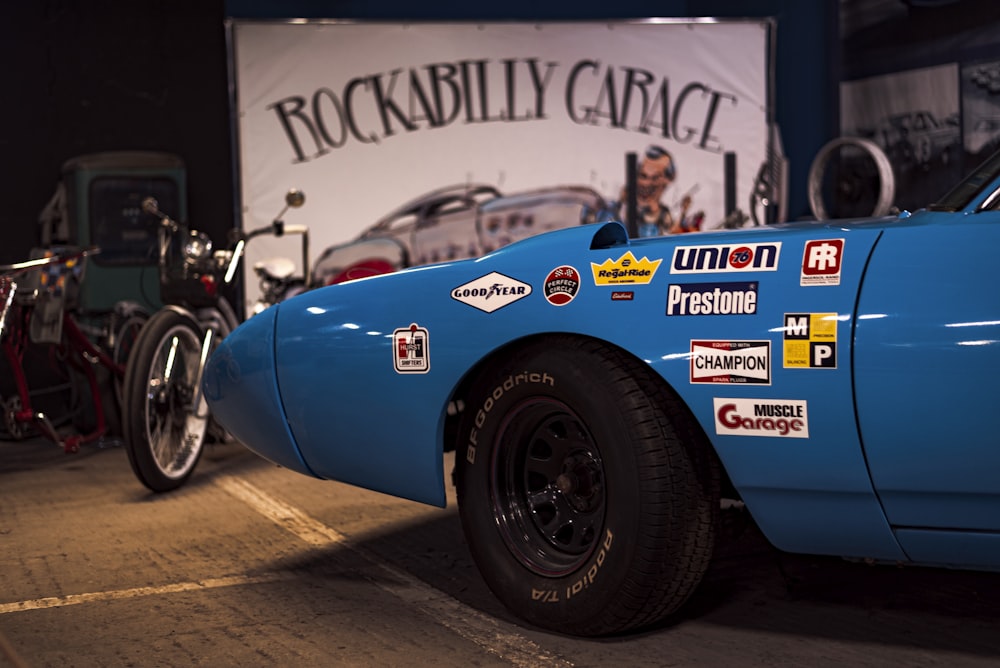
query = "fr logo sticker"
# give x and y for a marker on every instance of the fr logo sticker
(821, 262)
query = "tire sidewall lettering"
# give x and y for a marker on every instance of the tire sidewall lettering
(594, 580)
(508, 384)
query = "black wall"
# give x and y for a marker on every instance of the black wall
(106, 75)
(87, 76)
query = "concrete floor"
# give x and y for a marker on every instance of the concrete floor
(252, 565)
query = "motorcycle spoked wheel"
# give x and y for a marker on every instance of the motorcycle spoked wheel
(164, 434)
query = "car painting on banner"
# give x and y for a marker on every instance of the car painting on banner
(364, 117)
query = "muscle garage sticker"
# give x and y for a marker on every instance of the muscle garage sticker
(726, 362)
(783, 418)
(810, 340)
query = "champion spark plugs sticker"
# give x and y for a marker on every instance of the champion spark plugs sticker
(810, 340)
(491, 292)
(783, 418)
(411, 350)
(625, 270)
(561, 285)
(725, 258)
(724, 362)
(821, 262)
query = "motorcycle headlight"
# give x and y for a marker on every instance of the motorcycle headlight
(197, 246)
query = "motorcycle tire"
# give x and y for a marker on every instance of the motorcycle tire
(164, 433)
(126, 323)
(587, 493)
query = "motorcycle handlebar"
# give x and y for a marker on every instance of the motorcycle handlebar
(296, 229)
(278, 229)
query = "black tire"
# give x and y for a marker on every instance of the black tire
(125, 328)
(164, 437)
(15, 431)
(587, 493)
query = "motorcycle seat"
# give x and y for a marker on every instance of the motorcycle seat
(278, 268)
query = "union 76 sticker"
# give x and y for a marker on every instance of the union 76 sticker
(411, 350)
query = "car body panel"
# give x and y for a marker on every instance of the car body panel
(254, 415)
(861, 344)
(925, 366)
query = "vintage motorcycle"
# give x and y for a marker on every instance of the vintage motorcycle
(165, 420)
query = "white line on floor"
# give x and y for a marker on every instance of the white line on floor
(75, 599)
(467, 622)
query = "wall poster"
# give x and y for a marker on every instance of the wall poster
(439, 141)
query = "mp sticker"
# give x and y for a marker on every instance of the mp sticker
(491, 292)
(783, 418)
(625, 270)
(411, 350)
(561, 285)
(821, 262)
(810, 340)
(725, 258)
(724, 362)
(712, 299)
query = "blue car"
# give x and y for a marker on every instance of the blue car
(605, 395)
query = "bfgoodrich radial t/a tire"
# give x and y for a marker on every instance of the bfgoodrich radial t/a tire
(587, 494)
(164, 434)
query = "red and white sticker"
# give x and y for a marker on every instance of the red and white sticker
(561, 285)
(737, 362)
(782, 418)
(411, 349)
(821, 262)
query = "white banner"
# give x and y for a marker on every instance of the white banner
(364, 117)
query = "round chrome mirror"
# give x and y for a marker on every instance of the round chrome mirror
(197, 246)
(295, 198)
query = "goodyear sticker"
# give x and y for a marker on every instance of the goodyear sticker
(491, 292)
(810, 340)
(626, 269)
(411, 349)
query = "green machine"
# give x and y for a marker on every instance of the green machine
(98, 202)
